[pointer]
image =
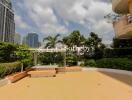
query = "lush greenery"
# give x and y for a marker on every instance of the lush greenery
(7, 52)
(51, 58)
(120, 48)
(90, 62)
(96, 46)
(13, 57)
(9, 68)
(13, 52)
(75, 39)
(118, 52)
(23, 55)
(71, 59)
(114, 63)
(119, 56)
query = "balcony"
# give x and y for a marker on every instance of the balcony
(120, 6)
(123, 28)
(125, 33)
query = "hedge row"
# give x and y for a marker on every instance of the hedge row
(118, 52)
(113, 63)
(9, 68)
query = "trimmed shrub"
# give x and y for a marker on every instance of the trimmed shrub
(115, 63)
(9, 68)
(90, 63)
(51, 58)
(118, 52)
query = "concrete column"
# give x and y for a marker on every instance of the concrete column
(64, 59)
(35, 54)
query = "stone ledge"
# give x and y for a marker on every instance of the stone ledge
(43, 73)
(17, 76)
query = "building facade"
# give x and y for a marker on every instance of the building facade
(123, 27)
(32, 40)
(7, 23)
(17, 38)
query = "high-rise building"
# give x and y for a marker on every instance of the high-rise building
(7, 23)
(123, 27)
(17, 38)
(24, 40)
(32, 40)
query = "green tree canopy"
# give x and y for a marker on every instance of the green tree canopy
(74, 39)
(95, 44)
(6, 52)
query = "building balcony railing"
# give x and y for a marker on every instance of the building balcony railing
(123, 27)
(125, 32)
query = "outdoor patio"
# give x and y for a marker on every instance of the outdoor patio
(86, 85)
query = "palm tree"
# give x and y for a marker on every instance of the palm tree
(51, 41)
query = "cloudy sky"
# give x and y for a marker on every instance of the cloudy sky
(49, 17)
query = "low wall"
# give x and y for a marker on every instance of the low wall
(17, 76)
(60, 70)
(42, 73)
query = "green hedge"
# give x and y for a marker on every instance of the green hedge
(51, 58)
(113, 63)
(9, 68)
(90, 63)
(118, 52)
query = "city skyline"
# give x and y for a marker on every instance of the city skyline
(47, 17)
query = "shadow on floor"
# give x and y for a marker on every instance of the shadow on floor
(127, 79)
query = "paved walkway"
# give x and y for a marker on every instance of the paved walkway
(89, 85)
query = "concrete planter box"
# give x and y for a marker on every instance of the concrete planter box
(42, 73)
(17, 76)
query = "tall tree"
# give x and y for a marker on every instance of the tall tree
(51, 41)
(95, 44)
(74, 39)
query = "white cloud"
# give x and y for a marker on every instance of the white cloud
(46, 15)
(20, 23)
